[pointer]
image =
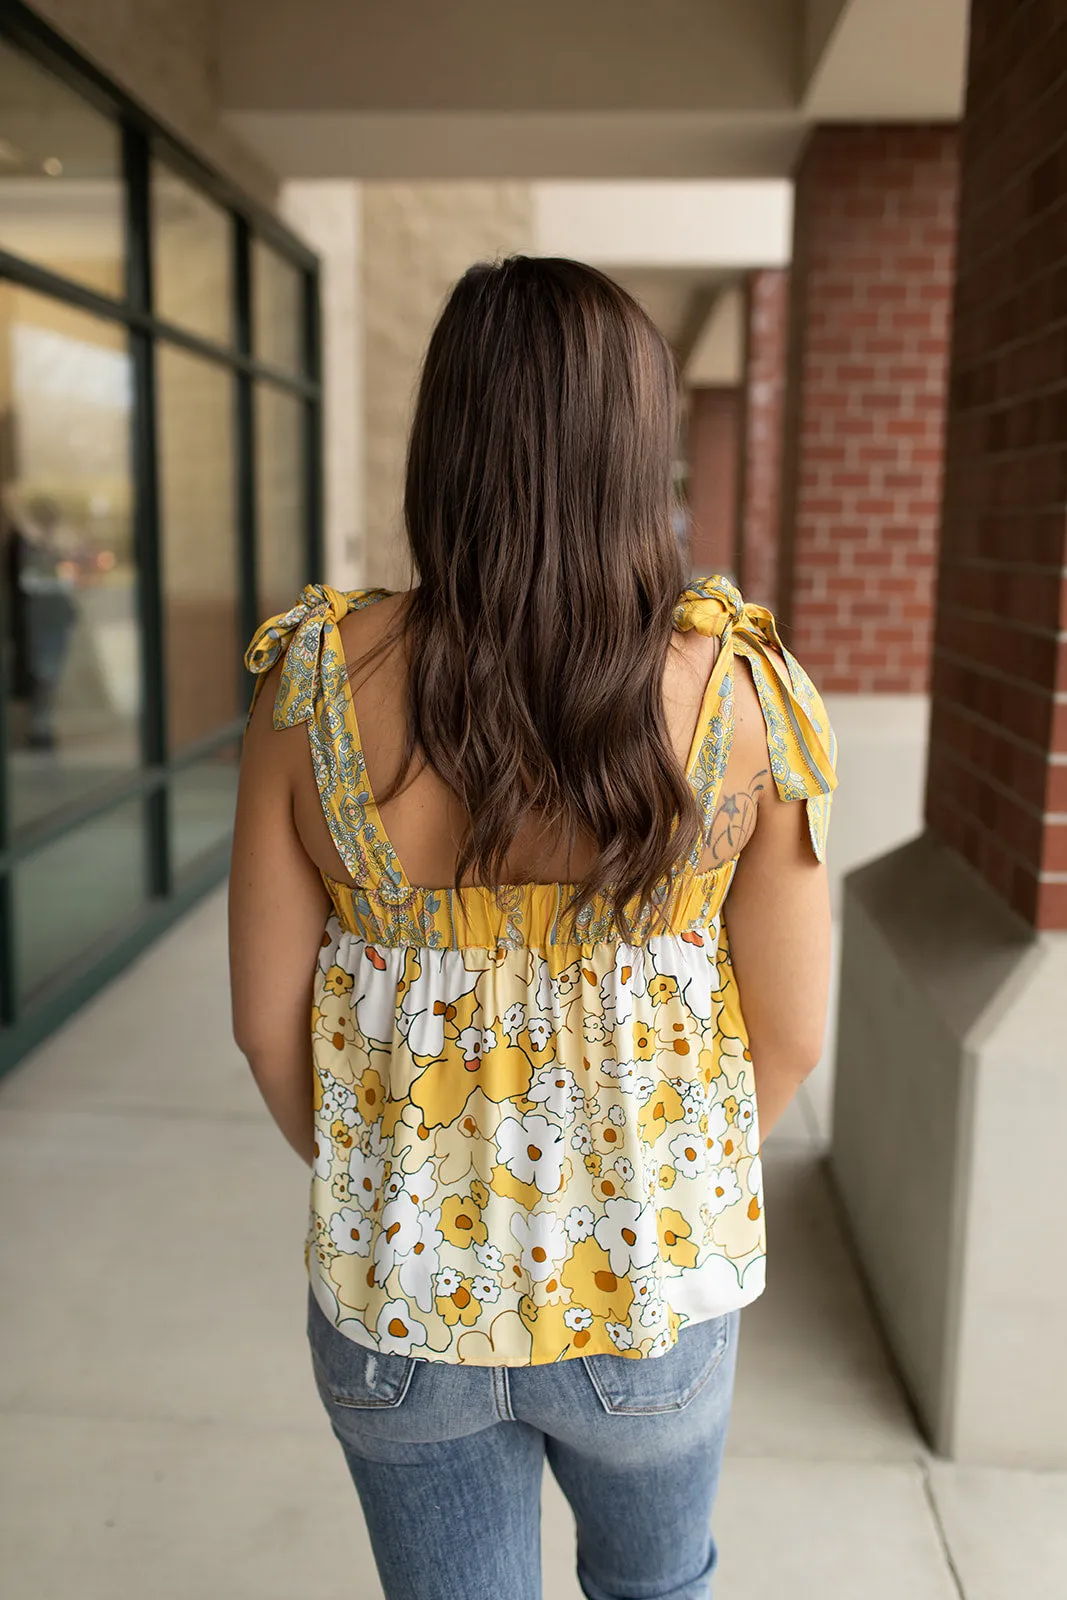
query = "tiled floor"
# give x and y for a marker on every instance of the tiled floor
(159, 1434)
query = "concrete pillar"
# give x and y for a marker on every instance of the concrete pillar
(713, 434)
(766, 320)
(328, 214)
(952, 1064)
(870, 287)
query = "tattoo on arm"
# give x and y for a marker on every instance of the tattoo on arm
(735, 819)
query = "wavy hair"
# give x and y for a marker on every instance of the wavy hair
(538, 505)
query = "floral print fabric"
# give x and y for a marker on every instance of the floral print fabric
(533, 1139)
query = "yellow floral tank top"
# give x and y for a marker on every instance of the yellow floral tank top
(533, 1140)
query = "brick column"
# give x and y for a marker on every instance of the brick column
(998, 760)
(762, 402)
(868, 323)
(712, 430)
(954, 948)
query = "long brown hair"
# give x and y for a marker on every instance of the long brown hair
(538, 505)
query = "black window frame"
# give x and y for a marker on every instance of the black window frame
(145, 138)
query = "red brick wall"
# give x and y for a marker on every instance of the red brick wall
(763, 398)
(871, 286)
(713, 432)
(997, 787)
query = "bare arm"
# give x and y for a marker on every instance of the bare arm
(278, 908)
(778, 919)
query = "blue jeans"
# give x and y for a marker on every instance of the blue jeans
(447, 1460)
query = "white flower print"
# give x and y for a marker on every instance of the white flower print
(625, 1168)
(488, 1040)
(661, 1343)
(644, 1289)
(469, 1044)
(627, 1231)
(513, 1021)
(540, 1032)
(532, 1150)
(594, 1030)
(690, 1154)
(689, 966)
(754, 1175)
(417, 1269)
(400, 1233)
(365, 1174)
(582, 1140)
(487, 1290)
(578, 1318)
(653, 1313)
(746, 1115)
(447, 1281)
(397, 1329)
(617, 1115)
(442, 980)
(620, 1335)
(723, 1190)
(542, 1242)
(578, 1223)
(421, 1184)
(556, 1089)
(351, 1232)
(394, 1185)
(625, 981)
(643, 1087)
(489, 1257)
(323, 1154)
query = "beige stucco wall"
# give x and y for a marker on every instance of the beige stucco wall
(163, 53)
(417, 240)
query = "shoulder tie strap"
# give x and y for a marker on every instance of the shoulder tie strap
(307, 636)
(800, 740)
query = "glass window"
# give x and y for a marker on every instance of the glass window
(203, 797)
(61, 200)
(198, 545)
(277, 309)
(281, 558)
(71, 635)
(192, 260)
(97, 874)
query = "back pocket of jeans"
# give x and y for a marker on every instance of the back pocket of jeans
(643, 1385)
(350, 1374)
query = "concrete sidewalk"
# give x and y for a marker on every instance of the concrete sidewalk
(160, 1433)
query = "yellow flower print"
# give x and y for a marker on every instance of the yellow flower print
(645, 1041)
(460, 1306)
(667, 1176)
(607, 1137)
(729, 1105)
(710, 1066)
(443, 1088)
(334, 1027)
(661, 989)
(587, 1274)
(663, 1106)
(370, 1095)
(674, 1241)
(608, 1187)
(593, 1162)
(479, 1194)
(341, 1134)
(338, 982)
(461, 1221)
(508, 1187)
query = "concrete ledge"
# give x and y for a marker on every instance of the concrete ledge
(949, 1110)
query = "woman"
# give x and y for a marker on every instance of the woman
(486, 834)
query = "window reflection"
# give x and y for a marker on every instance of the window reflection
(198, 545)
(71, 632)
(277, 309)
(191, 257)
(281, 567)
(60, 184)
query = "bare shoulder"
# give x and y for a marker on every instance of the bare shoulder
(369, 627)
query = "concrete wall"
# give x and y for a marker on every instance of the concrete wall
(417, 240)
